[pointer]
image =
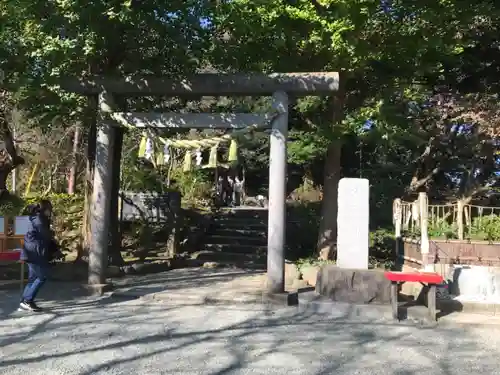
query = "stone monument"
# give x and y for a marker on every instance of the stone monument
(353, 223)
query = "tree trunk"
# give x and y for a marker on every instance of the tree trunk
(107, 65)
(327, 239)
(328, 228)
(74, 160)
(461, 207)
(9, 159)
(4, 175)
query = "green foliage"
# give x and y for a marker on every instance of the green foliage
(12, 205)
(302, 229)
(442, 228)
(138, 177)
(62, 203)
(68, 215)
(486, 228)
(305, 146)
(311, 262)
(195, 186)
(391, 60)
(105, 37)
(382, 248)
(302, 233)
(382, 252)
(390, 57)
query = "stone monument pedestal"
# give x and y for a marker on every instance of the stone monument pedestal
(353, 285)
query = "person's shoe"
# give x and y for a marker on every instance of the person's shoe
(29, 306)
(35, 307)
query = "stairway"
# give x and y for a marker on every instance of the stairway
(237, 237)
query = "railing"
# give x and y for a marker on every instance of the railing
(450, 220)
(446, 221)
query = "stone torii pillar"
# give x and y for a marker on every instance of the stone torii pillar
(278, 85)
(276, 231)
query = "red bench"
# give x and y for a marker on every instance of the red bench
(14, 256)
(430, 279)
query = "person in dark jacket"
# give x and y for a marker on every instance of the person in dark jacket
(38, 251)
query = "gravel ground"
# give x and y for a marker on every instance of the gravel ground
(107, 336)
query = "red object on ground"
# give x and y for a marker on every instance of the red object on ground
(10, 256)
(417, 277)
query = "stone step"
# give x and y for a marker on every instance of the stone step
(245, 233)
(241, 249)
(239, 218)
(243, 212)
(242, 225)
(247, 223)
(230, 258)
(235, 240)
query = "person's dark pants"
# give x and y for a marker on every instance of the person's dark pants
(37, 276)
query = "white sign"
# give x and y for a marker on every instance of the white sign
(21, 225)
(353, 223)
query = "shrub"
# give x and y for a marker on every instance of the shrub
(302, 235)
(196, 186)
(382, 248)
(68, 219)
(12, 205)
(442, 228)
(303, 221)
(486, 228)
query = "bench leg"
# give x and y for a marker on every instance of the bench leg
(394, 299)
(431, 302)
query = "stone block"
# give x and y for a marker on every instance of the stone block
(114, 271)
(211, 265)
(298, 285)
(310, 274)
(353, 285)
(280, 299)
(476, 282)
(411, 289)
(151, 267)
(98, 289)
(292, 273)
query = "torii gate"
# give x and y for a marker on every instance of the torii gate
(109, 117)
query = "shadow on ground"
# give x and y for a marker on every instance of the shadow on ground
(182, 279)
(84, 336)
(174, 280)
(64, 295)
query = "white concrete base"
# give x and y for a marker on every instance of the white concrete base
(467, 283)
(475, 283)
